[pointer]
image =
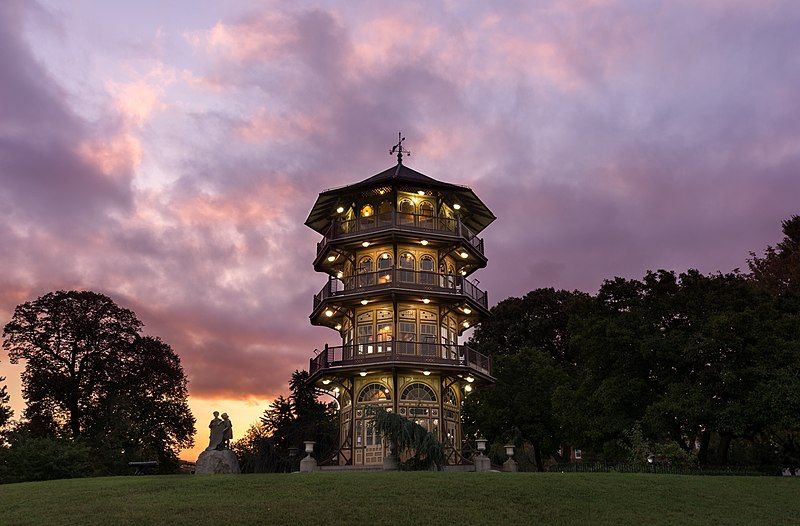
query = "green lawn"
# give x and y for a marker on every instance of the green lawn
(398, 498)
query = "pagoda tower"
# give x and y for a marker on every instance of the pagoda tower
(398, 249)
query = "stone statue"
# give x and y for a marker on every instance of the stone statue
(218, 458)
(227, 431)
(216, 436)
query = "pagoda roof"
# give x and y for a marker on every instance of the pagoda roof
(475, 214)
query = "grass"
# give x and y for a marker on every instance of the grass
(400, 498)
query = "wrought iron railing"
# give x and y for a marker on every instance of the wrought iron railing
(402, 279)
(423, 353)
(402, 221)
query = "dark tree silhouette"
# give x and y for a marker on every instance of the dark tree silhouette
(779, 269)
(90, 375)
(5, 410)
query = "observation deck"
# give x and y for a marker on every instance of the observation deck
(459, 359)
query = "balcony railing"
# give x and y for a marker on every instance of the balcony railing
(379, 352)
(402, 279)
(402, 221)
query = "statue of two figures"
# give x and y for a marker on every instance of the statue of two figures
(221, 432)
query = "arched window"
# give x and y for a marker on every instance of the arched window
(366, 277)
(384, 268)
(367, 211)
(426, 209)
(427, 266)
(374, 393)
(405, 214)
(407, 267)
(418, 392)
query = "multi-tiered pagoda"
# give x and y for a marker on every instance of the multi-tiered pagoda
(398, 249)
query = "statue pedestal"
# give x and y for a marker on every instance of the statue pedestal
(308, 465)
(482, 463)
(510, 465)
(217, 462)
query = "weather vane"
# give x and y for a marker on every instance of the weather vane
(399, 148)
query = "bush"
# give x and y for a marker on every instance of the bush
(27, 458)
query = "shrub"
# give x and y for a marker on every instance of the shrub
(27, 458)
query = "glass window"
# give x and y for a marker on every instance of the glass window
(365, 339)
(408, 335)
(451, 398)
(366, 277)
(407, 262)
(374, 393)
(384, 268)
(419, 392)
(406, 206)
(426, 209)
(367, 211)
(384, 337)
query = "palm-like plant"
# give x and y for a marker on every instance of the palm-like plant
(408, 436)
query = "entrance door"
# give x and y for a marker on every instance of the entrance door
(373, 444)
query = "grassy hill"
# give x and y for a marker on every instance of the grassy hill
(401, 498)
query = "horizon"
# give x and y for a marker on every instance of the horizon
(167, 156)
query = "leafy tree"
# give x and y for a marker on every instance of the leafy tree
(89, 375)
(518, 407)
(28, 457)
(72, 343)
(778, 270)
(5, 409)
(416, 446)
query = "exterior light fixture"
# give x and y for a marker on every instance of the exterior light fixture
(329, 313)
(421, 192)
(326, 381)
(467, 310)
(466, 324)
(365, 244)
(331, 258)
(456, 206)
(339, 274)
(386, 390)
(340, 210)
(364, 302)
(338, 326)
(464, 255)
(385, 255)
(426, 373)
(336, 389)
(467, 388)
(463, 272)
(363, 373)
(424, 242)
(469, 379)
(425, 301)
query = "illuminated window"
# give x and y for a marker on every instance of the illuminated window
(374, 393)
(367, 211)
(426, 209)
(418, 392)
(406, 206)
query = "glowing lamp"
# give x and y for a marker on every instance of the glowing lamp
(364, 302)
(421, 192)
(339, 274)
(466, 324)
(326, 381)
(331, 258)
(464, 255)
(426, 373)
(365, 244)
(467, 310)
(468, 388)
(340, 210)
(424, 242)
(338, 326)
(363, 373)
(469, 379)
(425, 301)
(329, 313)
(456, 206)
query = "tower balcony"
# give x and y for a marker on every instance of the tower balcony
(443, 228)
(402, 282)
(363, 357)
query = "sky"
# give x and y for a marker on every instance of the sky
(167, 153)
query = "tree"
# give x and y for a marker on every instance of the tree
(778, 271)
(90, 375)
(72, 342)
(413, 443)
(518, 408)
(5, 410)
